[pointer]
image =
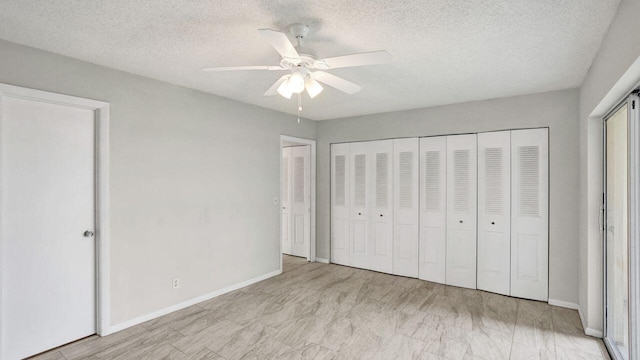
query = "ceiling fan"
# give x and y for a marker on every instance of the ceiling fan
(306, 71)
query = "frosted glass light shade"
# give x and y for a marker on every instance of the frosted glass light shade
(296, 83)
(313, 87)
(283, 89)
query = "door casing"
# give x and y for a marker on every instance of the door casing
(633, 141)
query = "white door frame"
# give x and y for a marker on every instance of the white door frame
(633, 160)
(101, 110)
(312, 242)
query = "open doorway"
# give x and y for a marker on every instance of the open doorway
(297, 197)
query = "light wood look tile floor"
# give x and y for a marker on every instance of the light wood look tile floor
(319, 311)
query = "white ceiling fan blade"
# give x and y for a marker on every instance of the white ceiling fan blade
(273, 90)
(368, 58)
(336, 82)
(281, 43)
(234, 68)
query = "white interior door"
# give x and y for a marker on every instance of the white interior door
(48, 279)
(340, 204)
(494, 214)
(433, 208)
(359, 185)
(405, 210)
(461, 210)
(300, 200)
(529, 213)
(381, 211)
(286, 200)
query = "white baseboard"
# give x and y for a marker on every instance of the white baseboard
(587, 330)
(139, 320)
(564, 304)
(321, 260)
(593, 332)
(569, 305)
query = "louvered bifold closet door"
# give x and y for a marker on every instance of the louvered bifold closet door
(340, 204)
(381, 206)
(494, 214)
(359, 199)
(300, 200)
(433, 208)
(461, 210)
(405, 209)
(286, 200)
(529, 214)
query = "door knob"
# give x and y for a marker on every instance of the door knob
(88, 233)
(460, 221)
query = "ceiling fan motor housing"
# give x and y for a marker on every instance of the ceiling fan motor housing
(298, 30)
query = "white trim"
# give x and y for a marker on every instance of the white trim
(634, 226)
(588, 330)
(321, 260)
(569, 305)
(103, 225)
(101, 110)
(139, 320)
(564, 304)
(312, 243)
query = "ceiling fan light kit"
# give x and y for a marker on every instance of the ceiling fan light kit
(307, 72)
(313, 87)
(296, 82)
(284, 90)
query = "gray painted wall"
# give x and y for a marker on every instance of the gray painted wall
(612, 75)
(193, 177)
(558, 110)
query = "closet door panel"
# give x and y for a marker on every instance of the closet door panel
(340, 204)
(381, 206)
(529, 214)
(461, 210)
(433, 207)
(359, 196)
(494, 214)
(406, 208)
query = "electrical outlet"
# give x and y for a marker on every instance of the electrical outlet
(176, 283)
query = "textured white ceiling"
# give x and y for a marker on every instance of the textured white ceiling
(445, 51)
